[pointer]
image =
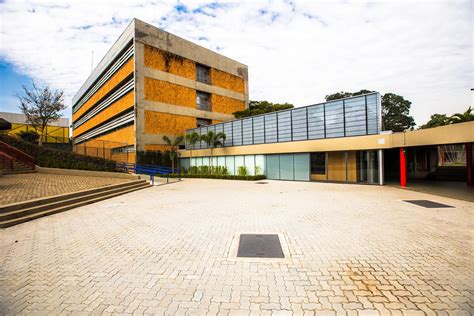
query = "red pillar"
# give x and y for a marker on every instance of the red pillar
(469, 163)
(403, 168)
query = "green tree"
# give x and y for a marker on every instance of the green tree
(343, 94)
(395, 109)
(395, 113)
(192, 139)
(41, 106)
(173, 148)
(436, 120)
(261, 107)
(213, 140)
(467, 116)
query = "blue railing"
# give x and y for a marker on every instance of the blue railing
(150, 170)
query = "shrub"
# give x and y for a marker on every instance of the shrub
(154, 157)
(216, 176)
(53, 158)
(29, 136)
(217, 170)
(242, 171)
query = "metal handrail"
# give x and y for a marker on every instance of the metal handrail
(17, 154)
(150, 170)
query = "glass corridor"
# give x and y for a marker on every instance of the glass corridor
(342, 166)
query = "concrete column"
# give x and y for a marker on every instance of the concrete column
(381, 175)
(469, 164)
(403, 167)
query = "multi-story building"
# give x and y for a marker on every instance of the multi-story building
(149, 84)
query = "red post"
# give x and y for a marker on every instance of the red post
(403, 168)
(469, 163)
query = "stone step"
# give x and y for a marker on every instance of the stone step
(14, 214)
(16, 221)
(5, 216)
(63, 197)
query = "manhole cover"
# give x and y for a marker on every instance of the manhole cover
(260, 246)
(261, 182)
(428, 204)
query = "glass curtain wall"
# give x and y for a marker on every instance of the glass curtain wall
(248, 164)
(354, 116)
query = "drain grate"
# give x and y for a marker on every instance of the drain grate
(260, 246)
(261, 182)
(428, 204)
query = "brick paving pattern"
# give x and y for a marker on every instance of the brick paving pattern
(22, 187)
(354, 250)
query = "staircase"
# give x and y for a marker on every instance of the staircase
(17, 213)
(13, 160)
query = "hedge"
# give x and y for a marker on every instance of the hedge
(215, 176)
(53, 158)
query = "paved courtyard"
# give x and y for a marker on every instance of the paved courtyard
(354, 250)
(22, 187)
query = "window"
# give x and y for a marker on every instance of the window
(318, 163)
(202, 122)
(203, 101)
(202, 74)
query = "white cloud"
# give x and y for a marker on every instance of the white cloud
(295, 52)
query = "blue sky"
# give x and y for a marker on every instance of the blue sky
(297, 51)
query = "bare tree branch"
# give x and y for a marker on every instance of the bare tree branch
(41, 106)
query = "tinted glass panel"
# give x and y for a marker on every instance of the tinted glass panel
(298, 118)
(318, 163)
(316, 122)
(247, 132)
(284, 126)
(250, 164)
(355, 117)
(372, 114)
(258, 130)
(228, 134)
(334, 119)
(230, 164)
(237, 133)
(270, 128)
(301, 163)
(286, 167)
(273, 166)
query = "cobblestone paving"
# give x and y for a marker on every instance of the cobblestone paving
(22, 187)
(355, 250)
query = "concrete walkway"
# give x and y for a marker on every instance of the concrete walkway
(351, 249)
(455, 190)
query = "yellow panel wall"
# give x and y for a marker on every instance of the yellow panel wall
(54, 134)
(120, 75)
(167, 124)
(227, 81)
(165, 92)
(226, 105)
(165, 61)
(122, 104)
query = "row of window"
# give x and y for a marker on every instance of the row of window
(349, 117)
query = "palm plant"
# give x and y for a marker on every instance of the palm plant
(462, 117)
(173, 148)
(213, 140)
(192, 139)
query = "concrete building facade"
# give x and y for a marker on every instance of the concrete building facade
(152, 83)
